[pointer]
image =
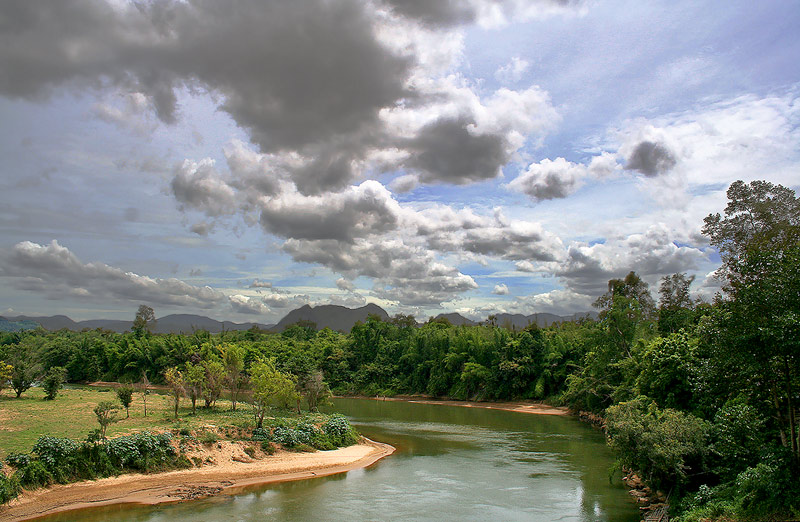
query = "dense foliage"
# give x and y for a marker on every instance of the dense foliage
(700, 398)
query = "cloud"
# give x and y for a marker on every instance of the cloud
(260, 284)
(344, 284)
(550, 179)
(359, 211)
(651, 159)
(198, 185)
(248, 305)
(653, 254)
(500, 289)
(512, 72)
(56, 272)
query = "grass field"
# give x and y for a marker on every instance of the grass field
(71, 415)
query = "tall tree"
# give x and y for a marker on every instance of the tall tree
(756, 329)
(143, 322)
(675, 306)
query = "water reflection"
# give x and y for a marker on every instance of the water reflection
(451, 463)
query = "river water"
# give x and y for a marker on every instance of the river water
(451, 463)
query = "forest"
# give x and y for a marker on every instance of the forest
(699, 398)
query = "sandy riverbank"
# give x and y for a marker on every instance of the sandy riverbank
(230, 471)
(520, 407)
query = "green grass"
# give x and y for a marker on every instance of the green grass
(71, 415)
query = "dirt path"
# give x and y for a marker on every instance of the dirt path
(226, 476)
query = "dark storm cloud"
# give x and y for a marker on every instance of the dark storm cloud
(447, 151)
(438, 12)
(297, 75)
(651, 159)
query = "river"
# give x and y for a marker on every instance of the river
(451, 463)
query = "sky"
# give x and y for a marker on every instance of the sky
(240, 159)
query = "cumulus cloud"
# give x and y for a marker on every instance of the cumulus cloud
(248, 305)
(56, 272)
(651, 159)
(260, 284)
(198, 185)
(549, 179)
(653, 254)
(500, 289)
(344, 284)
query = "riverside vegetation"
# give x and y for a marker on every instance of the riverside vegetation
(699, 399)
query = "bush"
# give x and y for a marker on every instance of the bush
(208, 437)
(268, 448)
(54, 452)
(9, 488)
(286, 436)
(18, 460)
(52, 381)
(34, 475)
(261, 434)
(141, 451)
(340, 433)
(664, 445)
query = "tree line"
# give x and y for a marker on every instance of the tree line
(700, 398)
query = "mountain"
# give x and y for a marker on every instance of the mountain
(176, 323)
(334, 317)
(16, 326)
(456, 319)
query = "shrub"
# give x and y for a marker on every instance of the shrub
(339, 431)
(34, 475)
(261, 434)
(52, 381)
(268, 448)
(208, 437)
(17, 460)
(142, 451)
(54, 452)
(9, 488)
(286, 436)
(249, 451)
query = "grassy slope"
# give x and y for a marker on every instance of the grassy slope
(24, 420)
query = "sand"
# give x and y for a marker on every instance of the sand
(520, 407)
(229, 470)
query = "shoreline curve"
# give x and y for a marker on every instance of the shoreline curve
(191, 484)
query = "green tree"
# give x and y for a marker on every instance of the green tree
(675, 306)
(52, 381)
(755, 329)
(194, 377)
(143, 322)
(125, 396)
(214, 381)
(106, 413)
(270, 386)
(5, 374)
(177, 386)
(233, 358)
(22, 378)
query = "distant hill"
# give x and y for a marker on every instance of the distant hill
(176, 323)
(456, 319)
(16, 326)
(334, 317)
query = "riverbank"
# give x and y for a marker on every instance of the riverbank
(536, 408)
(228, 470)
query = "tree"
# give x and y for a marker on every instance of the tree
(755, 331)
(106, 413)
(125, 396)
(270, 386)
(144, 387)
(675, 306)
(176, 384)
(5, 374)
(194, 378)
(213, 382)
(144, 321)
(52, 381)
(315, 390)
(233, 359)
(22, 378)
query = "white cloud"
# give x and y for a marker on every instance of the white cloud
(500, 289)
(512, 71)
